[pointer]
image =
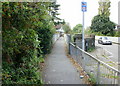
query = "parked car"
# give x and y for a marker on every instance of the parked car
(104, 40)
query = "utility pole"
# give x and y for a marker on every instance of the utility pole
(84, 9)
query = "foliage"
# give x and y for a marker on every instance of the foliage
(88, 31)
(54, 12)
(20, 61)
(103, 25)
(27, 30)
(92, 79)
(117, 34)
(42, 60)
(104, 8)
(91, 49)
(46, 38)
(77, 28)
(66, 28)
(22, 75)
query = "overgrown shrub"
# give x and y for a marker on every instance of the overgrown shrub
(20, 61)
(27, 32)
(45, 35)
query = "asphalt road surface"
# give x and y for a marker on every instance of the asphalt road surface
(113, 50)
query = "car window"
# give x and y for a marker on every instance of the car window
(105, 38)
(100, 38)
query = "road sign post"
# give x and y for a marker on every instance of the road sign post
(83, 9)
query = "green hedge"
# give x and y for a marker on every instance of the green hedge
(20, 61)
(27, 35)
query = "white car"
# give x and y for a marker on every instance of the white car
(104, 40)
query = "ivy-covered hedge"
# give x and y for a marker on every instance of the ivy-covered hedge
(20, 61)
(45, 35)
(27, 30)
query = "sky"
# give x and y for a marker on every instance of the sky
(70, 11)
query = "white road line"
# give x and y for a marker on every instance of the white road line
(108, 52)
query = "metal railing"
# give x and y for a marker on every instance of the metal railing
(95, 68)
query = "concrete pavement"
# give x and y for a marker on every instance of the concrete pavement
(58, 68)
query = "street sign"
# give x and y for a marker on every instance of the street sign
(84, 6)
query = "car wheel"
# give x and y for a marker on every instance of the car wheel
(102, 43)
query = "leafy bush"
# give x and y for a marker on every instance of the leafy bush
(45, 36)
(20, 65)
(91, 49)
(27, 32)
(92, 79)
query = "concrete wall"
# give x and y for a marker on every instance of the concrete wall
(113, 39)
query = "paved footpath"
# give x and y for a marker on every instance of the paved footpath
(58, 68)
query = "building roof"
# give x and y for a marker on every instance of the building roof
(58, 26)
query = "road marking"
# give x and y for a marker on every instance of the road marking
(108, 52)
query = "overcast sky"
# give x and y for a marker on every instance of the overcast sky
(70, 10)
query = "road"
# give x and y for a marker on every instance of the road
(111, 49)
(107, 53)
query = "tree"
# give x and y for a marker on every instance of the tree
(66, 28)
(77, 28)
(104, 6)
(53, 9)
(103, 25)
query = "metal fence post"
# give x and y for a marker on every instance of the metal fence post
(118, 79)
(98, 73)
(76, 52)
(69, 48)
